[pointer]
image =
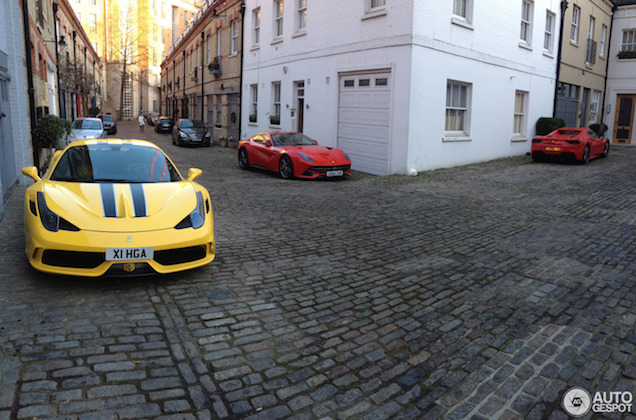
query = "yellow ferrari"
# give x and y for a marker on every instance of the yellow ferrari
(116, 207)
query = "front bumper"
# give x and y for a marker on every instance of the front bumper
(83, 253)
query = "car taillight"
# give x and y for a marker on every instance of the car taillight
(536, 141)
(573, 142)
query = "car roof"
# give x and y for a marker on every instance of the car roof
(88, 142)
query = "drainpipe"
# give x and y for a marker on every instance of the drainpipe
(564, 6)
(35, 141)
(202, 62)
(57, 59)
(609, 48)
(183, 110)
(240, 110)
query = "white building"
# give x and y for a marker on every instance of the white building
(621, 76)
(402, 84)
(15, 140)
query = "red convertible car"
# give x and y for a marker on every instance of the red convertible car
(292, 155)
(579, 144)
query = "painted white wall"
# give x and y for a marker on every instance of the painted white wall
(620, 73)
(12, 44)
(418, 41)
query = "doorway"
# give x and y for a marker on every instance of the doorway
(299, 93)
(624, 121)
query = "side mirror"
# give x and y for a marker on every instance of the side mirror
(267, 143)
(31, 172)
(194, 173)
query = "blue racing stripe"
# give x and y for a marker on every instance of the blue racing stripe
(108, 200)
(139, 199)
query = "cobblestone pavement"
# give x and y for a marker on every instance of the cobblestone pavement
(481, 292)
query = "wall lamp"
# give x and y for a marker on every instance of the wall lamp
(61, 42)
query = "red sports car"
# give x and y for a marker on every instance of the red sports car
(293, 155)
(580, 144)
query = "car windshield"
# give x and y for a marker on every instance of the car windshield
(107, 118)
(80, 124)
(569, 132)
(104, 162)
(192, 124)
(291, 139)
(165, 121)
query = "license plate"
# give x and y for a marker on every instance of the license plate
(334, 173)
(552, 149)
(129, 254)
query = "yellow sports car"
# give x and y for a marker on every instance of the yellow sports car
(116, 207)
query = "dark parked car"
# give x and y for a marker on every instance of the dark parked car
(190, 132)
(152, 118)
(164, 125)
(110, 125)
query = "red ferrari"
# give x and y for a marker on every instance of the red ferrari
(292, 155)
(579, 144)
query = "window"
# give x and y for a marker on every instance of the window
(278, 18)
(218, 43)
(253, 102)
(301, 15)
(548, 39)
(629, 40)
(256, 26)
(462, 13)
(576, 16)
(459, 8)
(457, 111)
(601, 53)
(596, 99)
(377, 3)
(92, 23)
(219, 111)
(234, 35)
(209, 49)
(590, 57)
(526, 21)
(519, 123)
(275, 116)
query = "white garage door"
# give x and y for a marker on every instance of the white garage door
(363, 121)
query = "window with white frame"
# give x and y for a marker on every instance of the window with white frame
(601, 52)
(234, 37)
(274, 118)
(520, 117)
(256, 26)
(590, 57)
(253, 103)
(301, 15)
(462, 11)
(629, 40)
(526, 21)
(548, 38)
(576, 17)
(457, 109)
(278, 18)
(596, 100)
(377, 3)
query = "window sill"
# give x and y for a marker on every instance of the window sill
(252, 124)
(276, 40)
(300, 32)
(374, 13)
(459, 138)
(548, 54)
(459, 21)
(525, 45)
(518, 139)
(255, 47)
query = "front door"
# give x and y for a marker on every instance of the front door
(624, 122)
(7, 155)
(233, 110)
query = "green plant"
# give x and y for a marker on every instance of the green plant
(253, 117)
(599, 128)
(547, 125)
(274, 119)
(51, 130)
(94, 111)
(626, 54)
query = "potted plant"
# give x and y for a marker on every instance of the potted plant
(274, 119)
(51, 131)
(223, 142)
(253, 117)
(599, 128)
(626, 54)
(231, 142)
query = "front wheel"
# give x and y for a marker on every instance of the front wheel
(606, 151)
(285, 167)
(243, 160)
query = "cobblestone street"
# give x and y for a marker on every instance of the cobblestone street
(477, 292)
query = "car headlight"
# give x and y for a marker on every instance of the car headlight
(304, 156)
(196, 219)
(184, 135)
(346, 156)
(207, 134)
(50, 220)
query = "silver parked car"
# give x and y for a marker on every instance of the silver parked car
(190, 132)
(87, 128)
